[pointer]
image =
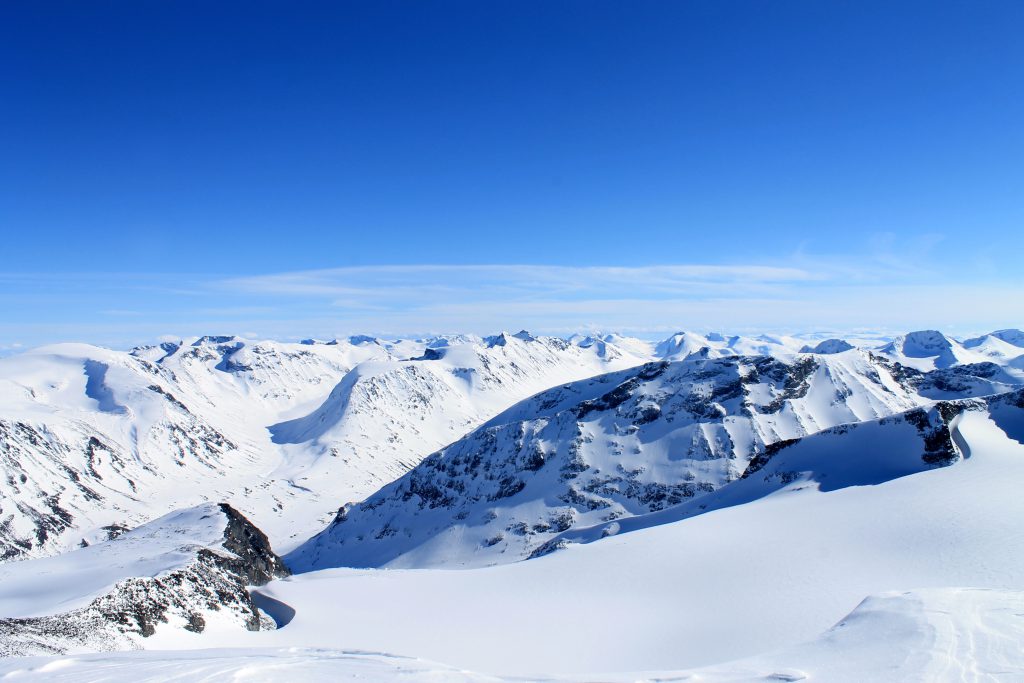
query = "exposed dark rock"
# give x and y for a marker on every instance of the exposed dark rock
(254, 558)
(761, 459)
(216, 580)
(430, 354)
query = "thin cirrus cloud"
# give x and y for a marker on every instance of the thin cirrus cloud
(798, 294)
(425, 282)
(651, 299)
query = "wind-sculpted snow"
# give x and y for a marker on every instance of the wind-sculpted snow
(624, 444)
(941, 635)
(185, 569)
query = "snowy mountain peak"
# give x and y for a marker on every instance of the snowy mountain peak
(215, 340)
(1010, 336)
(923, 343)
(927, 350)
(682, 345)
(828, 346)
(84, 430)
(361, 339)
(500, 339)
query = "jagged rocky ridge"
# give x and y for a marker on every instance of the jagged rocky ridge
(195, 583)
(626, 444)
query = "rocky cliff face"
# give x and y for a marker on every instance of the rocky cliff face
(209, 584)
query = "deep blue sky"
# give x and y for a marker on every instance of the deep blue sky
(198, 142)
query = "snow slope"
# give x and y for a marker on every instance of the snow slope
(598, 451)
(938, 634)
(928, 636)
(91, 441)
(857, 454)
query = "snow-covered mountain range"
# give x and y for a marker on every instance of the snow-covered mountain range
(93, 440)
(145, 493)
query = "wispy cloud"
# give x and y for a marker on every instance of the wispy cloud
(887, 291)
(887, 287)
(408, 284)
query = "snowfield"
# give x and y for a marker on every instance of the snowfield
(710, 508)
(953, 634)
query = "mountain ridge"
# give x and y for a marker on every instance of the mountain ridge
(615, 446)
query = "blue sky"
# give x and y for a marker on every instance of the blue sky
(311, 169)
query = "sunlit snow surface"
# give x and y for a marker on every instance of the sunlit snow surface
(936, 635)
